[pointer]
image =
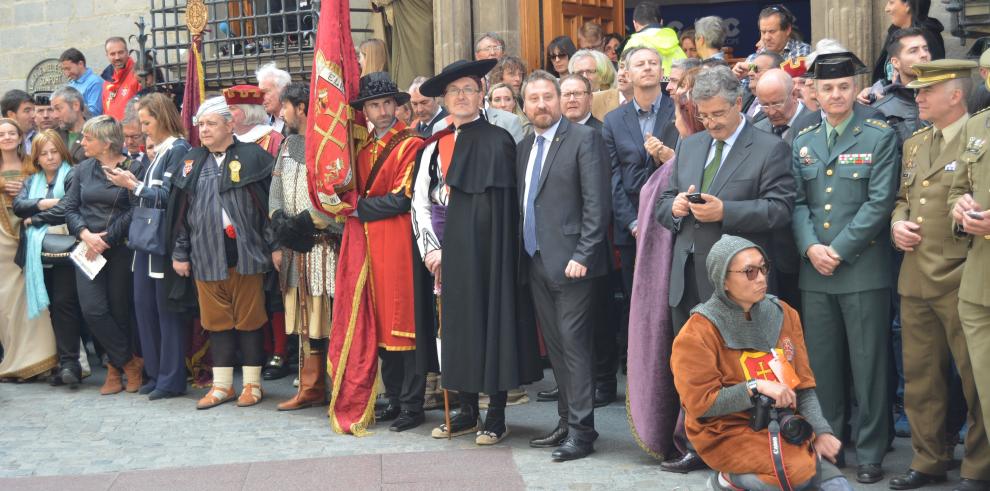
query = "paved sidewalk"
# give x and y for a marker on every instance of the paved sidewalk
(88, 441)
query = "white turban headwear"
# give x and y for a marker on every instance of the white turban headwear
(213, 105)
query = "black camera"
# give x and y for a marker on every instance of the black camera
(793, 428)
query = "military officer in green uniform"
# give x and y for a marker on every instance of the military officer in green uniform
(846, 167)
(969, 199)
(932, 336)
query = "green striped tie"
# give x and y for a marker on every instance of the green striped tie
(712, 168)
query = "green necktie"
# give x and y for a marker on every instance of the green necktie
(712, 168)
(832, 136)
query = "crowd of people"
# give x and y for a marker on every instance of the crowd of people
(785, 262)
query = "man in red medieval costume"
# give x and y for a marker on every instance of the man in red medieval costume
(384, 172)
(246, 104)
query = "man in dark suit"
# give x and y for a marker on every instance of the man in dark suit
(650, 113)
(563, 194)
(575, 101)
(779, 104)
(427, 111)
(746, 188)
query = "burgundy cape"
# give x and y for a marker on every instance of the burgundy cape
(651, 400)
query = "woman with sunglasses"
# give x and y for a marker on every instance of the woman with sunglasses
(741, 350)
(559, 53)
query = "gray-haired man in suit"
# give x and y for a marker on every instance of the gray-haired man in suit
(745, 185)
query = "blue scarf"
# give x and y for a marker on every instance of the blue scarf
(34, 278)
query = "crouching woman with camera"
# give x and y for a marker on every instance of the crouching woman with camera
(741, 369)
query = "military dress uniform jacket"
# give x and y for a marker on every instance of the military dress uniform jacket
(935, 266)
(973, 176)
(844, 200)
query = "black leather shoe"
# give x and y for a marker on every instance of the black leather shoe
(914, 480)
(389, 413)
(70, 377)
(147, 388)
(55, 380)
(604, 397)
(275, 369)
(869, 473)
(407, 420)
(163, 394)
(552, 439)
(688, 462)
(548, 395)
(571, 449)
(972, 485)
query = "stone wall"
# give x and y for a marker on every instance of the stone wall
(33, 30)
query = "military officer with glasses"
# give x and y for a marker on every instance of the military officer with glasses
(846, 170)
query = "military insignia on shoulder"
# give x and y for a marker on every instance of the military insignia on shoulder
(877, 123)
(922, 130)
(808, 129)
(981, 111)
(974, 145)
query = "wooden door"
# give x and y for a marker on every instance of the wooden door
(563, 17)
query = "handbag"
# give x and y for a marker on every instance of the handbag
(147, 231)
(56, 246)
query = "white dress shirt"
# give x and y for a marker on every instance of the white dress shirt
(548, 134)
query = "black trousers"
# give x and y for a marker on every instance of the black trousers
(565, 315)
(610, 317)
(403, 384)
(224, 346)
(106, 304)
(63, 308)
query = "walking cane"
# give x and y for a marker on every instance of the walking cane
(446, 413)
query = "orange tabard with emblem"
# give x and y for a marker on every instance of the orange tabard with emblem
(390, 246)
(703, 366)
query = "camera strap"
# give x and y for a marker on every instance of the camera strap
(777, 455)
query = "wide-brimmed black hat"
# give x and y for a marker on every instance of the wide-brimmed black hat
(378, 85)
(829, 66)
(435, 86)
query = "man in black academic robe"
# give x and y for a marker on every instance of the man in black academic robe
(487, 327)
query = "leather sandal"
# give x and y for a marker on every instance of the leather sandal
(215, 397)
(249, 396)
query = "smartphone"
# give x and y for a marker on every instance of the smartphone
(975, 215)
(696, 198)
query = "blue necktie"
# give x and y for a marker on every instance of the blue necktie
(529, 220)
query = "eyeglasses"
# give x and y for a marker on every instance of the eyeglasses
(559, 56)
(776, 106)
(586, 73)
(491, 49)
(574, 95)
(468, 91)
(751, 272)
(713, 117)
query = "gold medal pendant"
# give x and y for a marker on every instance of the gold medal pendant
(235, 171)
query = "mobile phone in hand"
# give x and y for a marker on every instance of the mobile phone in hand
(696, 198)
(975, 215)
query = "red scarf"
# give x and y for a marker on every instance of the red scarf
(118, 92)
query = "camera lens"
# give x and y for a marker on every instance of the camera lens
(795, 429)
